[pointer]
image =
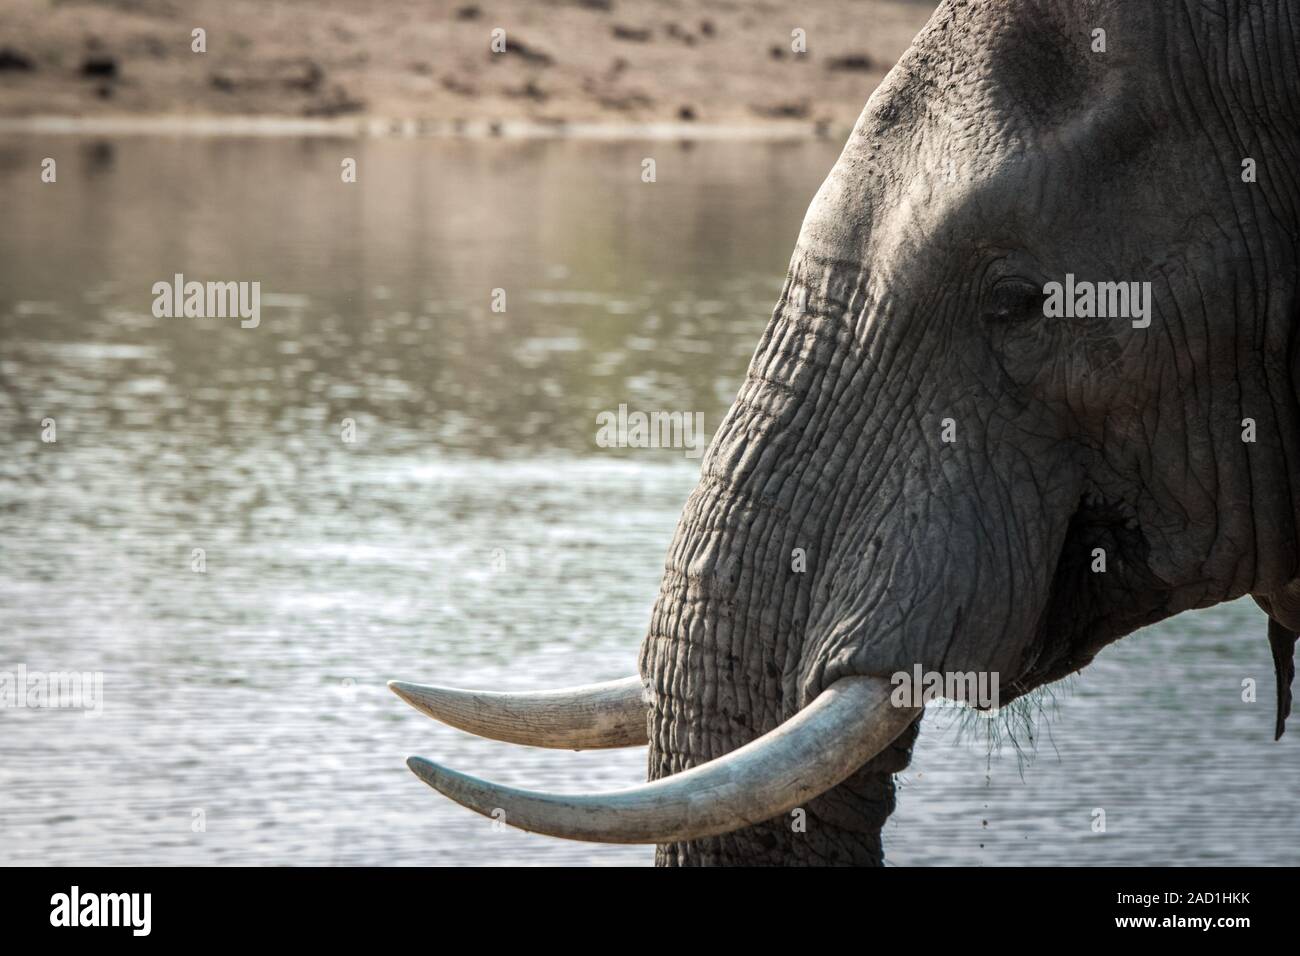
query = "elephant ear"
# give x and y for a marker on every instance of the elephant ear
(1282, 642)
(1281, 639)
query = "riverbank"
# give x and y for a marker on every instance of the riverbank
(600, 68)
(379, 127)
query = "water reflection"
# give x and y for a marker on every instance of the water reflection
(472, 532)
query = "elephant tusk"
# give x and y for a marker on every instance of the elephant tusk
(612, 714)
(848, 724)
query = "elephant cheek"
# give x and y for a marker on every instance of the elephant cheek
(948, 585)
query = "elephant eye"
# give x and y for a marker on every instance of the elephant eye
(1014, 300)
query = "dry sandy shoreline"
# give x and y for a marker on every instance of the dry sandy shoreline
(376, 128)
(584, 68)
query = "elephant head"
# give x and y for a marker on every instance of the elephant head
(1031, 385)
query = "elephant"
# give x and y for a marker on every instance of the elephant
(971, 477)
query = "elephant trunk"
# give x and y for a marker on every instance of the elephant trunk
(725, 652)
(714, 688)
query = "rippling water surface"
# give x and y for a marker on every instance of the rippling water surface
(473, 533)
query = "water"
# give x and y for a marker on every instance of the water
(473, 533)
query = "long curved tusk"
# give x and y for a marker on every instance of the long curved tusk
(848, 724)
(612, 714)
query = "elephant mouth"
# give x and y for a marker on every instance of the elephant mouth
(1102, 588)
(849, 723)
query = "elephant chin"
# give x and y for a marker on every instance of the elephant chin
(816, 750)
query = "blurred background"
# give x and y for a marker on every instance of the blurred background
(474, 533)
(731, 62)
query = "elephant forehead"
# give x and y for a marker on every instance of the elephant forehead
(1029, 64)
(941, 183)
(990, 78)
(927, 167)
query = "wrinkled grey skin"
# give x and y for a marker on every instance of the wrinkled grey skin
(1071, 434)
